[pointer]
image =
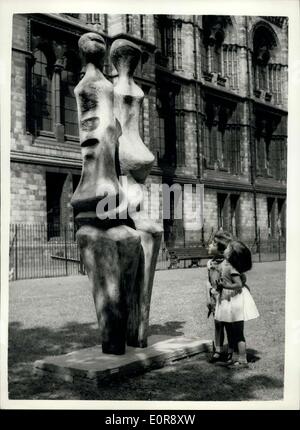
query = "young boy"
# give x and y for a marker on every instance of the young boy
(216, 249)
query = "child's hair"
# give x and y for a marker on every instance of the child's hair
(239, 256)
(222, 238)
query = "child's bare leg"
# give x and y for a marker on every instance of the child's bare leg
(238, 328)
(242, 352)
(219, 339)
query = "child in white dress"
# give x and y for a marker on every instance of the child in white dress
(235, 303)
(216, 249)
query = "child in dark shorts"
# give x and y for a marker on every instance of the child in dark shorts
(216, 249)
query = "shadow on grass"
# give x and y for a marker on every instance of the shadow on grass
(189, 379)
(252, 356)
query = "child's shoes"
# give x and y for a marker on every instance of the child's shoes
(216, 357)
(229, 360)
(238, 365)
(226, 361)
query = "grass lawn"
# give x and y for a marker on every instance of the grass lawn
(56, 315)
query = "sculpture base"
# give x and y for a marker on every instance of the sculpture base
(89, 367)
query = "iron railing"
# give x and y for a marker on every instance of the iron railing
(40, 251)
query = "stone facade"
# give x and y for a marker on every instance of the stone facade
(214, 113)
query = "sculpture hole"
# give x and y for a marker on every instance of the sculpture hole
(89, 142)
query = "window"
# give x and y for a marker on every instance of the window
(215, 54)
(160, 128)
(51, 79)
(93, 18)
(230, 62)
(210, 125)
(70, 117)
(218, 57)
(204, 56)
(222, 137)
(164, 40)
(177, 46)
(275, 82)
(267, 74)
(42, 95)
(180, 142)
(165, 131)
(69, 79)
(270, 146)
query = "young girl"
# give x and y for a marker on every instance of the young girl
(235, 303)
(216, 249)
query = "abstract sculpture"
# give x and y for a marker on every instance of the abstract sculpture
(118, 246)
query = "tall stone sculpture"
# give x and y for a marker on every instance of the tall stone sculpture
(118, 246)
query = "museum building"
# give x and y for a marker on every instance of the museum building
(214, 113)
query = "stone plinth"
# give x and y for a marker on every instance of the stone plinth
(90, 367)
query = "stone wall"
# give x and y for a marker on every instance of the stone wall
(28, 179)
(28, 194)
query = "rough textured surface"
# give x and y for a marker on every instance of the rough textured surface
(135, 158)
(119, 254)
(111, 259)
(97, 131)
(135, 163)
(138, 321)
(90, 366)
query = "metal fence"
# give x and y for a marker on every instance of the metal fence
(40, 251)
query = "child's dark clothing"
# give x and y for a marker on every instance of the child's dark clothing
(213, 268)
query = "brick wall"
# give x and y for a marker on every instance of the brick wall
(28, 194)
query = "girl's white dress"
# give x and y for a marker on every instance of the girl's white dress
(234, 305)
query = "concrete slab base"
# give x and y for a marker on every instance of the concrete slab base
(90, 367)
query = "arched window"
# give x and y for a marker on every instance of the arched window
(213, 37)
(266, 70)
(219, 52)
(42, 96)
